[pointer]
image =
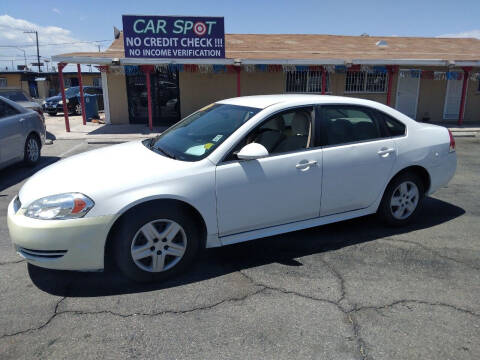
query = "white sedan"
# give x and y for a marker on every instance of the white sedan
(236, 170)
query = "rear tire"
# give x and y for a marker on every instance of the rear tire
(154, 243)
(32, 150)
(402, 200)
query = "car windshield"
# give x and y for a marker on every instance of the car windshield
(14, 95)
(199, 134)
(70, 92)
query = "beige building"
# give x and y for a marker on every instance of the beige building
(429, 79)
(45, 84)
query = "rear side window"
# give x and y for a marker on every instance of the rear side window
(345, 124)
(6, 110)
(393, 127)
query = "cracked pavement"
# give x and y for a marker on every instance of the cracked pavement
(351, 290)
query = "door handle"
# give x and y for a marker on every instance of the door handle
(303, 165)
(22, 120)
(385, 151)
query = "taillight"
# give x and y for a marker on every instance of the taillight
(452, 141)
(40, 114)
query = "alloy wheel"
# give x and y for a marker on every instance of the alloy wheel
(158, 245)
(33, 151)
(404, 200)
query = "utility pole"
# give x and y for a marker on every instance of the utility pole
(38, 50)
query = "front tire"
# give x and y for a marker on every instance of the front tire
(154, 243)
(402, 200)
(32, 150)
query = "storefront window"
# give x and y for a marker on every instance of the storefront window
(165, 98)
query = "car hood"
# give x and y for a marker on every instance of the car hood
(104, 173)
(53, 98)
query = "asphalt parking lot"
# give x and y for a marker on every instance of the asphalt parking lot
(352, 290)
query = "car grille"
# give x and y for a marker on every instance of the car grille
(17, 204)
(40, 254)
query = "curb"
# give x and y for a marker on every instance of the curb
(464, 134)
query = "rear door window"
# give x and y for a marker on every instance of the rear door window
(6, 110)
(343, 124)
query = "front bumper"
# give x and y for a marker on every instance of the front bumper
(77, 244)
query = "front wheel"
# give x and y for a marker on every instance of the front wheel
(155, 244)
(402, 199)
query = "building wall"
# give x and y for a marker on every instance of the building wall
(472, 104)
(262, 83)
(198, 89)
(117, 93)
(13, 80)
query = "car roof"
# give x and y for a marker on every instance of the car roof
(264, 101)
(285, 100)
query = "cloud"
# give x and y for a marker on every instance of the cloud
(55, 10)
(12, 34)
(465, 34)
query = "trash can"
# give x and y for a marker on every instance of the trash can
(91, 106)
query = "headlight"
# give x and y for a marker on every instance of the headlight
(62, 206)
(61, 102)
(44, 102)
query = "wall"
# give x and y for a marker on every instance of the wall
(117, 93)
(431, 98)
(198, 90)
(13, 80)
(262, 83)
(472, 104)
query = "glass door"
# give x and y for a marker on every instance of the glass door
(165, 98)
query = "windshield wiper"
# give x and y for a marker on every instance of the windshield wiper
(168, 154)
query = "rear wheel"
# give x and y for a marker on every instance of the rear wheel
(32, 150)
(155, 244)
(402, 199)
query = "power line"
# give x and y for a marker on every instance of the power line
(54, 44)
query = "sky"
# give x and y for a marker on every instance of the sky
(85, 25)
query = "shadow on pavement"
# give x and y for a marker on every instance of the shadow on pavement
(220, 261)
(51, 136)
(18, 172)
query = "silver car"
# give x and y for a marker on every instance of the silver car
(22, 98)
(22, 134)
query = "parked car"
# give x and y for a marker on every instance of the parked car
(54, 104)
(21, 98)
(22, 134)
(236, 170)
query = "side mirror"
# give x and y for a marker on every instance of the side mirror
(252, 151)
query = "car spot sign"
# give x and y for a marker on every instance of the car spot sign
(173, 37)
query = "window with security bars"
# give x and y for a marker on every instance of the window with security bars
(67, 82)
(306, 82)
(3, 82)
(363, 82)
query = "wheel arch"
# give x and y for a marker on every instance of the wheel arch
(418, 170)
(168, 202)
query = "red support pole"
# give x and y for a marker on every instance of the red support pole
(64, 99)
(392, 70)
(82, 96)
(324, 80)
(149, 101)
(466, 73)
(239, 91)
